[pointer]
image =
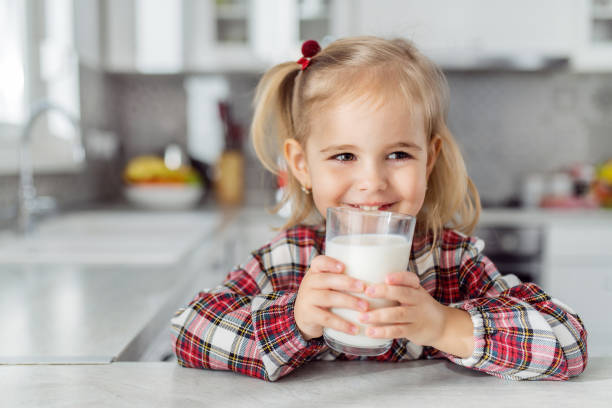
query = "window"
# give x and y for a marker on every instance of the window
(38, 61)
(12, 69)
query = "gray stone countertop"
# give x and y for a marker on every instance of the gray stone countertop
(545, 217)
(78, 313)
(75, 313)
(435, 383)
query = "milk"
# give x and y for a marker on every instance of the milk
(368, 257)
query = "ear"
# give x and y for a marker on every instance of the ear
(432, 153)
(296, 159)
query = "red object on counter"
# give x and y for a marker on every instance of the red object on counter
(567, 203)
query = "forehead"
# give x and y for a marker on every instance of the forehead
(369, 122)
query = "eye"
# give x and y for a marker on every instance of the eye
(344, 157)
(400, 156)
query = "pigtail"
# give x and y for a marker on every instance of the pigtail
(452, 200)
(450, 204)
(273, 123)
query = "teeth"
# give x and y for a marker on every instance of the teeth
(369, 207)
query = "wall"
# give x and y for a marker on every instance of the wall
(510, 124)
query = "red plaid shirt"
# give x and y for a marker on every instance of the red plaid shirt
(247, 323)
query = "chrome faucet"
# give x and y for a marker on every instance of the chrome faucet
(29, 203)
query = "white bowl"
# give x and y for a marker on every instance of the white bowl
(164, 196)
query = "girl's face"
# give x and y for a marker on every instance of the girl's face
(367, 156)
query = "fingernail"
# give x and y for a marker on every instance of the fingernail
(372, 331)
(355, 329)
(363, 305)
(364, 317)
(370, 291)
(339, 267)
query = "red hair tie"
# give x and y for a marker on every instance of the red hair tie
(310, 48)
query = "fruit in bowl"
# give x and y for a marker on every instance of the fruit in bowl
(603, 184)
(151, 184)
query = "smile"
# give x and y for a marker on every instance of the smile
(371, 207)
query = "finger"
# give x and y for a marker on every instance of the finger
(337, 282)
(330, 320)
(395, 331)
(404, 278)
(324, 263)
(389, 315)
(332, 298)
(402, 294)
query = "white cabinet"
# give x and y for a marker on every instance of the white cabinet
(166, 36)
(218, 35)
(143, 35)
(251, 35)
(473, 31)
(578, 271)
(594, 48)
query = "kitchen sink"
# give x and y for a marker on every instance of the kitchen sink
(110, 237)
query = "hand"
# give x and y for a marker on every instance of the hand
(419, 317)
(320, 290)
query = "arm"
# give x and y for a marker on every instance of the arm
(237, 327)
(520, 332)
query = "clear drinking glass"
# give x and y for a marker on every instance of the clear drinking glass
(371, 244)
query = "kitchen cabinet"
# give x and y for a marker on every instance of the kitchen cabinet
(594, 39)
(473, 33)
(251, 35)
(143, 35)
(578, 271)
(218, 35)
(87, 32)
(167, 36)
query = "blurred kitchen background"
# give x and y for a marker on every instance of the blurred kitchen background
(531, 88)
(161, 91)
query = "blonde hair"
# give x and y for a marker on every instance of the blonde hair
(286, 99)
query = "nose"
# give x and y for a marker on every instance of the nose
(372, 177)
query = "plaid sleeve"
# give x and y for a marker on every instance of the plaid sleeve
(520, 332)
(237, 327)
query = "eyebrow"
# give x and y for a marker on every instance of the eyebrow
(348, 147)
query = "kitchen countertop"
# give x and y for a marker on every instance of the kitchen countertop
(80, 313)
(541, 216)
(327, 384)
(68, 331)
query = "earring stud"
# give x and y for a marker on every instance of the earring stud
(305, 190)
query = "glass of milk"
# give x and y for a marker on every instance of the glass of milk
(371, 244)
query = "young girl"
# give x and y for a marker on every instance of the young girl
(361, 123)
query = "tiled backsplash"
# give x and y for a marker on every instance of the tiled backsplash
(510, 124)
(507, 123)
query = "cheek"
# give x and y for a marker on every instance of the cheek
(329, 184)
(412, 185)
(325, 188)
